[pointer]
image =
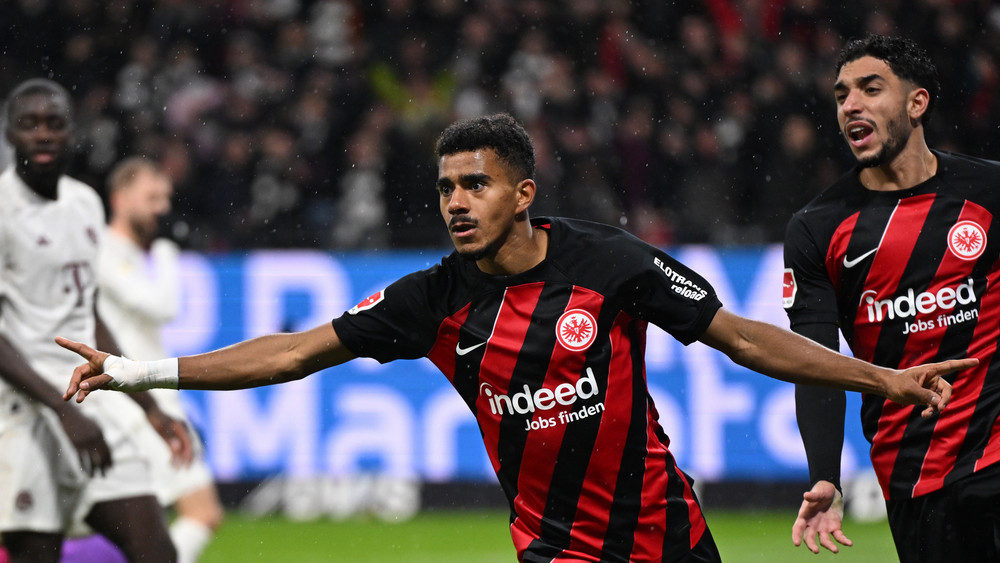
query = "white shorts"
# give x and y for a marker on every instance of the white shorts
(43, 487)
(170, 482)
(41, 481)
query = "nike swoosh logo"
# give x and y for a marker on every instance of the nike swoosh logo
(856, 261)
(463, 351)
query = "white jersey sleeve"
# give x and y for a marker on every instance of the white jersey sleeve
(139, 293)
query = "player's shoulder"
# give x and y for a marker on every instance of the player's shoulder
(437, 279)
(842, 196)
(581, 234)
(962, 166)
(595, 254)
(76, 189)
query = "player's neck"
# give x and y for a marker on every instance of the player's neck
(523, 250)
(913, 166)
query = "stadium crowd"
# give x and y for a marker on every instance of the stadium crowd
(310, 123)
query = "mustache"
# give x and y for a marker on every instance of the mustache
(457, 219)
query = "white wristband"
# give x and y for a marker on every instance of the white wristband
(129, 375)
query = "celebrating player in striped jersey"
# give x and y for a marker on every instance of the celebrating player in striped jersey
(901, 255)
(540, 326)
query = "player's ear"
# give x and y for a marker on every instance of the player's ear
(917, 103)
(525, 194)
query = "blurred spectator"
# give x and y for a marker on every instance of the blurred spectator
(288, 122)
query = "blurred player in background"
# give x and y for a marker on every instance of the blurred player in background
(139, 292)
(902, 256)
(540, 326)
(61, 465)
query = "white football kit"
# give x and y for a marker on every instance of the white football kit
(139, 294)
(48, 256)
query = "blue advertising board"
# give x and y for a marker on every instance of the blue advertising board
(403, 419)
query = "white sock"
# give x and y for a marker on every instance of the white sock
(190, 538)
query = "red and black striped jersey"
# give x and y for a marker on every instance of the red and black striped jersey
(910, 277)
(551, 363)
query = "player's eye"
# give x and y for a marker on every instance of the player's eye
(57, 124)
(26, 123)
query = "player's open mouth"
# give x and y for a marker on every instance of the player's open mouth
(858, 131)
(461, 226)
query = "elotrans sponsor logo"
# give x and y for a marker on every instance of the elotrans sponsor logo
(679, 283)
(911, 304)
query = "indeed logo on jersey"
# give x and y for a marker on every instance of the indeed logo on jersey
(680, 284)
(545, 399)
(911, 304)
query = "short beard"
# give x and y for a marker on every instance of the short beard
(898, 135)
(486, 251)
(477, 255)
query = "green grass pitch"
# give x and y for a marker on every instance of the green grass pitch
(481, 537)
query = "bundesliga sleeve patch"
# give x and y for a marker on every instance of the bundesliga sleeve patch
(788, 288)
(367, 303)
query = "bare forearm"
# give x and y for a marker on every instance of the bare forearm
(800, 360)
(790, 357)
(16, 371)
(265, 360)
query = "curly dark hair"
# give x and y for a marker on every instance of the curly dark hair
(905, 58)
(500, 132)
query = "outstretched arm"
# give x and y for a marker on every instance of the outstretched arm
(784, 355)
(265, 360)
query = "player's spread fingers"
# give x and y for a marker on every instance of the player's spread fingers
(826, 541)
(95, 382)
(74, 346)
(843, 539)
(811, 541)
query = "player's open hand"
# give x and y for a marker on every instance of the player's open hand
(821, 515)
(86, 377)
(925, 384)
